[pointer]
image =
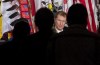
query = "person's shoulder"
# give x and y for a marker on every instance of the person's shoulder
(34, 35)
(5, 44)
(65, 28)
(77, 32)
(54, 30)
(93, 34)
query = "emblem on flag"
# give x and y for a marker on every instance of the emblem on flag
(24, 7)
(25, 14)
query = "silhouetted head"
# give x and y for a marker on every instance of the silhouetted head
(77, 14)
(21, 28)
(44, 19)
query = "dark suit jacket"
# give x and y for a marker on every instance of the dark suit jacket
(37, 44)
(76, 46)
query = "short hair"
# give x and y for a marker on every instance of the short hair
(44, 19)
(21, 28)
(62, 13)
(77, 14)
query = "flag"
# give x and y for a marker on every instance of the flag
(92, 14)
(95, 11)
(58, 5)
(67, 4)
(6, 21)
(65, 7)
(37, 4)
(33, 10)
(43, 3)
(27, 10)
(32, 2)
(50, 5)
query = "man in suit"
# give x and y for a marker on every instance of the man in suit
(59, 22)
(44, 20)
(77, 45)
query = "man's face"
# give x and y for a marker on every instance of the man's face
(60, 22)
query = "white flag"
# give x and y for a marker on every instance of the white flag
(6, 21)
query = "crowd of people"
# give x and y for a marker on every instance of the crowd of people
(62, 39)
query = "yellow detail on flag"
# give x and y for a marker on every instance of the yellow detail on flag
(0, 27)
(50, 6)
(9, 35)
(0, 21)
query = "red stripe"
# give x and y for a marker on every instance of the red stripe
(92, 15)
(65, 1)
(88, 22)
(33, 14)
(33, 7)
(88, 25)
(83, 2)
(74, 1)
